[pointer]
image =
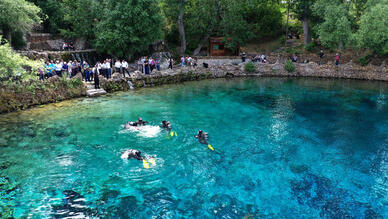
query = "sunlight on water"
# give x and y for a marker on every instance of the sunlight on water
(283, 148)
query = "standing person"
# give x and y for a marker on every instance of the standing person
(69, 69)
(295, 58)
(124, 65)
(58, 68)
(321, 55)
(41, 73)
(52, 67)
(157, 64)
(103, 70)
(171, 62)
(86, 70)
(74, 68)
(118, 65)
(243, 57)
(152, 64)
(65, 68)
(109, 68)
(96, 72)
(183, 61)
(337, 59)
(146, 67)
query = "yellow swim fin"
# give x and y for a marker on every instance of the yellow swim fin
(210, 147)
(146, 164)
(176, 134)
(172, 133)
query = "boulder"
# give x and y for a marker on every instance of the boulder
(53, 79)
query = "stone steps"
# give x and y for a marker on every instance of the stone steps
(91, 92)
(95, 92)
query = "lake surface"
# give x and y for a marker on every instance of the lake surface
(284, 148)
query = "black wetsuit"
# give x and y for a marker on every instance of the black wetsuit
(166, 125)
(134, 154)
(202, 138)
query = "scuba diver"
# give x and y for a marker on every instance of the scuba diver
(132, 154)
(166, 125)
(202, 137)
(139, 122)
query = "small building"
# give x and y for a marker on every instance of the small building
(217, 48)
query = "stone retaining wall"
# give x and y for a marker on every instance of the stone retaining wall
(138, 80)
(217, 70)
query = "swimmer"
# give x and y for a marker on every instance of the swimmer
(132, 154)
(202, 137)
(139, 122)
(166, 125)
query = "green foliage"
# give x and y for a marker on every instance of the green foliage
(364, 60)
(335, 29)
(310, 47)
(14, 66)
(292, 50)
(76, 82)
(237, 21)
(52, 14)
(18, 40)
(128, 27)
(264, 18)
(373, 32)
(289, 66)
(80, 17)
(250, 67)
(18, 15)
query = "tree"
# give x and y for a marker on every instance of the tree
(335, 30)
(302, 9)
(373, 32)
(181, 27)
(127, 27)
(17, 15)
(52, 14)
(81, 18)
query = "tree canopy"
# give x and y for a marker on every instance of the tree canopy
(128, 27)
(17, 15)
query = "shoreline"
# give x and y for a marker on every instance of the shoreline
(138, 80)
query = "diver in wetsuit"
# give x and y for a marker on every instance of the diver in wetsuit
(139, 122)
(166, 125)
(202, 137)
(132, 154)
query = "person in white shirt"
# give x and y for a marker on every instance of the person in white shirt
(124, 65)
(108, 68)
(118, 66)
(58, 69)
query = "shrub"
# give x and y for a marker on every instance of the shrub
(289, 66)
(364, 60)
(76, 82)
(250, 67)
(310, 47)
(18, 41)
(14, 67)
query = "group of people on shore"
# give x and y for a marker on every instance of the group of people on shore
(294, 58)
(188, 61)
(148, 64)
(71, 68)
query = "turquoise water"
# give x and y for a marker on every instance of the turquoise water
(284, 148)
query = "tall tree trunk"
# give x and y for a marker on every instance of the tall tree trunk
(306, 30)
(200, 44)
(288, 15)
(181, 28)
